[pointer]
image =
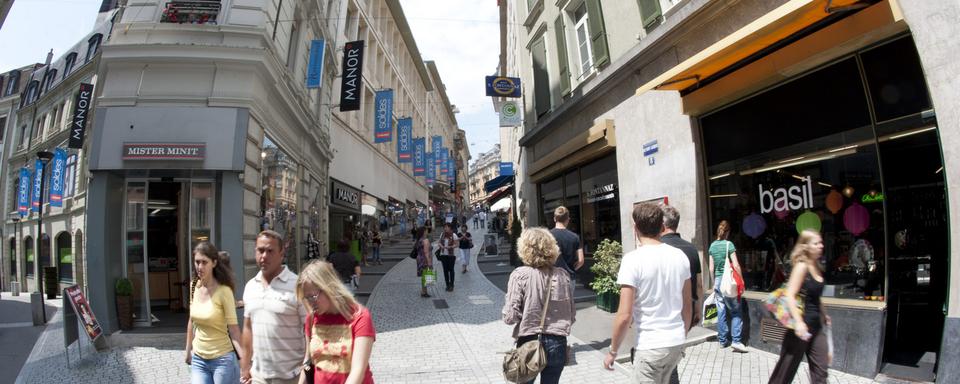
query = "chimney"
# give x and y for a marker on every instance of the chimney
(49, 57)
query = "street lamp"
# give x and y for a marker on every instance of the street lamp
(45, 157)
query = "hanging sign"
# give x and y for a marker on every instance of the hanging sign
(37, 186)
(502, 86)
(351, 81)
(431, 169)
(82, 308)
(23, 192)
(451, 170)
(453, 180)
(419, 156)
(405, 140)
(444, 163)
(383, 116)
(315, 66)
(59, 163)
(506, 168)
(437, 142)
(81, 109)
(509, 112)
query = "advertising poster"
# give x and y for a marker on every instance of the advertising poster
(83, 311)
(405, 140)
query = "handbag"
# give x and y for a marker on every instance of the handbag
(710, 313)
(776, 304)
(429, 277)
(524, 363)
(731, 284)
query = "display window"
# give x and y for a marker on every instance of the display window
(591, 195)
(278, 195)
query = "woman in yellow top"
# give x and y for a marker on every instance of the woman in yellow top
(212, 331)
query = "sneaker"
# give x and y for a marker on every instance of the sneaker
(739, 347)
(724, 345)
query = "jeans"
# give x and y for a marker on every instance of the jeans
(220, 370)
(449, 271)
(556, 348)
(728, 307)
(464, 256)
(376, 253)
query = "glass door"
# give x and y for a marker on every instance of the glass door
(200, 220)
(135, 260)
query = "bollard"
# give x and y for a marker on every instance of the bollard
(36, 308)
(15, 288)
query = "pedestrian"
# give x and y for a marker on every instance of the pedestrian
(571, 249)
(346, 266)
(424, 257)
(364, 236)
(466, 245)
(808, 336)
(529, 285)
(728, 308)
(448, 258)
(671, 220)
(272, 318)
(483, 219)
(339, 331)
(377, 240)
(476, 221)
(213, 334)
(655, 292)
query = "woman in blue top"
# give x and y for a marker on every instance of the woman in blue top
(720, 251)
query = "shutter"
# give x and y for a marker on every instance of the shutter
(649, 12)
(562, 56)
(598, 36)
(541, 78)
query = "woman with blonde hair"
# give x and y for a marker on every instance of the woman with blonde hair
(339, 331)
(213, 334)
(807, 337)
(525, 304)
(720, 251)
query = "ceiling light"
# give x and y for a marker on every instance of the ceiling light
(720, 176)
(791, 160)
(725, 195)
(911, 133)
(783, 164)
(824, 184)
(843, 148)
(939, 169)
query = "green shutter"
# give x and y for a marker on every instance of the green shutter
(562, 56)
(541, 78)
(649, 12)
(598, 36)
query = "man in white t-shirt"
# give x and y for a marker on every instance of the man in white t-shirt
(655, 292)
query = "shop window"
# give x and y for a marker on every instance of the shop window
(13, 256)
(69, 177)
(571, 198)
(278, 194)
(65, 255)
(600, 202)
(201, 212)
(895, 78)
(551, 197)
(28, 254)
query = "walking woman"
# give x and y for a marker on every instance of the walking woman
(466, 245)
(212, 331)
(448, 257)
(720, 251)
(807, 337)
(377, 241)
(525, 304)
(424, 257)
(339, 331)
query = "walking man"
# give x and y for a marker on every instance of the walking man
(483, 219)
(571, 250)
(272, 319)
(655, 293)
(671, 220)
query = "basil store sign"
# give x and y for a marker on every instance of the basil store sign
(345, 196)
(164, 151)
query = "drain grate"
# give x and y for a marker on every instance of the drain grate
(440, 304)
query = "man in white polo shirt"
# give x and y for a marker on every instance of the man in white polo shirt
(272, 319)
(655, 292)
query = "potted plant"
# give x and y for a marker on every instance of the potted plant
(124, 291)
(605, 269)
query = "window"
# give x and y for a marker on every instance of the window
(45, 252)
(49, 79)
(38, 128)
(294, 47)
(3, 127)
(28, 254)
(23, 137)
(57, 122)
(541, 78)
(13, 83)
(68, 64)
(583, 39)
(92, 46)
(65, 255)
(278, 194)
(1, 82)
(69, 177)
(31, 92)
(13, 256)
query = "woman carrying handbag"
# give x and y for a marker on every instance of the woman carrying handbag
(538, 301)
(809, 335)
(722, 250)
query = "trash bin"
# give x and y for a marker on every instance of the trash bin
(51, 282)
(15, 288)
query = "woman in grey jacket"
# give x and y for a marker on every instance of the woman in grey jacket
(524, 300)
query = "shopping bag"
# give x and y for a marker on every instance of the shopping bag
(731, 282)
(429, 277)
(776, 304)
(829, 334)
(710, 310)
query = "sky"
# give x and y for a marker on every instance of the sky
(461, 36)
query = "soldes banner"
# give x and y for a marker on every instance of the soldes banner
(419, 156)
(405, 140)
(383, 116)
(59, 163)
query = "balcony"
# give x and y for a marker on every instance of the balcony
(191, 12)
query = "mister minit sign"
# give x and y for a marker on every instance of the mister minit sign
(164, 151)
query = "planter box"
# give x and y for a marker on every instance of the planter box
(608, 301)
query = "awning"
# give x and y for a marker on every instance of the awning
(497, 182)
(501, 205)
(781, 23)
(498, 194)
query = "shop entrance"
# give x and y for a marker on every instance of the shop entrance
(164, 219)
(918, 258)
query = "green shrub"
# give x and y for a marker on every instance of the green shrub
(606, 266)
(124, 287)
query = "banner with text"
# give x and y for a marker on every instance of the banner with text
(23, 192)
(419, 156)
(437, 142)
(431, 169)
(81, 109)
(383, 116)
(444, 163)
(315, 65)
(451, 169)
(59, 163)
(37, 186)
(405, 140)
(351, 81)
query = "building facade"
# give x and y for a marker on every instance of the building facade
(775, 116)
(484, 169)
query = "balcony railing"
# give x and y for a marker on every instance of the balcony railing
(191, 12)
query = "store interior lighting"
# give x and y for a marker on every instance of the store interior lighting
(807, 160)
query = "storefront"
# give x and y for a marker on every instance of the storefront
(852, 149)
(344, 210)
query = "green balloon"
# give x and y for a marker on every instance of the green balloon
(808, 220)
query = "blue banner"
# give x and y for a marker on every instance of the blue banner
(437, 142)
(59, 163)
(444, 163)
(405, 140)
(23, 192)
(383, 116)
(315, 66)
(37, 180)
(419, 156)
(451, 170)
(502, 86)
(431, 169)
(506, 168)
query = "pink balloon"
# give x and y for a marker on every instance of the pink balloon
(781, 214)
(856, 219)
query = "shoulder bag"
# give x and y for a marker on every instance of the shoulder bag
(524, 363)
(731, 284)
(776, 304)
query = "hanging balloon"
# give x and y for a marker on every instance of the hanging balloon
(754, 225)
(781, 214)
(856, 219)
(834, 201)
(808, 220)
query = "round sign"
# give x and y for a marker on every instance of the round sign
(509, 110)
(503, 86)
